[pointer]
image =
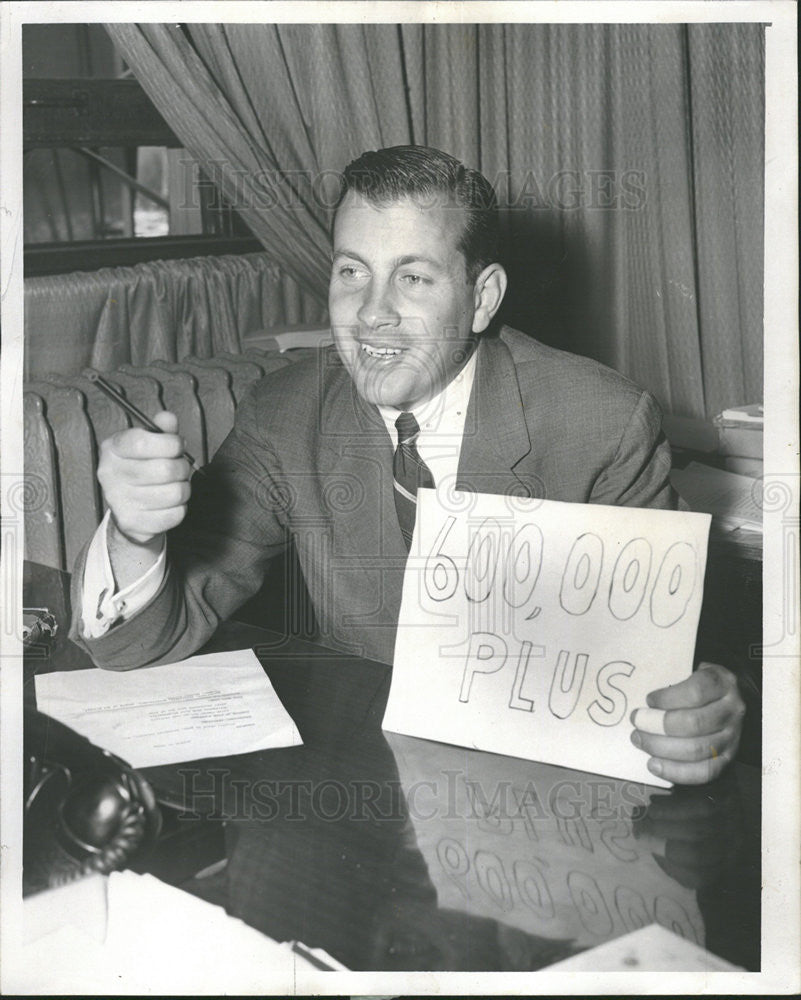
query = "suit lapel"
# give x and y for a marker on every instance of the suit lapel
(355, 465)
(496, 437)
(356, 450)
(345, 418)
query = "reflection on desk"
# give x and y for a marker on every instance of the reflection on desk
(393, 853)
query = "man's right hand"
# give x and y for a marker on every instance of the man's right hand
(145, 480)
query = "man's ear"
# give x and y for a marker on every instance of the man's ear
(488, 293)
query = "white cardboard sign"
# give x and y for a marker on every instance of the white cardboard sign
(533, 628)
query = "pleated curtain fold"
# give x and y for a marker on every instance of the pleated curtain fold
(161, 310)
(628, 160)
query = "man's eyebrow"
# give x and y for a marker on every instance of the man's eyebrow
(418, 259)
(348, 253)
(411, 258)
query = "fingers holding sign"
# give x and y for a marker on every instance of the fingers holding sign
(692, 729)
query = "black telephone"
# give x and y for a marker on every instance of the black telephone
(85, 809)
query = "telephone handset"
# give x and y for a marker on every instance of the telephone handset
(85, 809)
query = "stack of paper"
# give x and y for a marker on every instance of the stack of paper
(753, 413)
(741, 439)
(731, 499)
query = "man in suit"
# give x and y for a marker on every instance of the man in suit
(422, 389)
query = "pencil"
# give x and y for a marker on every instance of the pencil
(132, 410)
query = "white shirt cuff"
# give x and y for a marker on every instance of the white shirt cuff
(102, 607)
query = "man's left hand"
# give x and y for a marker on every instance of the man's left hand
(702, 722)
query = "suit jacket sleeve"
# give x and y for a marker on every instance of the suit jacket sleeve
(639, 473)
(216, 559)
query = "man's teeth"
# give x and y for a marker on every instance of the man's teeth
(380, 352)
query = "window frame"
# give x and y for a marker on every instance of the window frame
(95, 113)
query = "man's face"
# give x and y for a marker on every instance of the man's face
(401, 306)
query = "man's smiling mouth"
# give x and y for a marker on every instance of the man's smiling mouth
(381, 352)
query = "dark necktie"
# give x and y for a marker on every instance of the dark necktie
(409, 472)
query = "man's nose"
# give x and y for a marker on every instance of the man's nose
(378, 306)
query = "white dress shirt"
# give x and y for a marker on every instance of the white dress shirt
(439, 444)
(102, 606)
(441, 422)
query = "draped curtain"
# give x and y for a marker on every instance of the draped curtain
(628, 161)
(165, 309)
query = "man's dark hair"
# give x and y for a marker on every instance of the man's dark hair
(422, 173)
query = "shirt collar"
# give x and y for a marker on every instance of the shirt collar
(443, 411)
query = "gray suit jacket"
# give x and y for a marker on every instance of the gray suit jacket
(309, 461)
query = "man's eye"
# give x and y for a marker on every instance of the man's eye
(414, 279)
(350, 272)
